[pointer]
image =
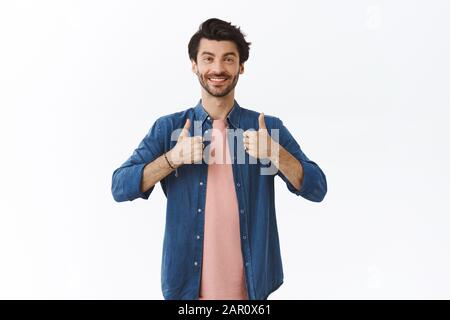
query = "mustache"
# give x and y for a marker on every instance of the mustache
(216, 75)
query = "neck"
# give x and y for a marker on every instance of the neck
(218, 107)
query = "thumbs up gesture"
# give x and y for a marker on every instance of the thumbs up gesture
(258, 144)
(187, 149)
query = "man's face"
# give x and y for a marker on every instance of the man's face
(217, 66)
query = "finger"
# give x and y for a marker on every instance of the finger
(198, 147)
(252, 140)
(199, 144)
(251, 134)
(198, 156)
(185, 131)
(262, 123)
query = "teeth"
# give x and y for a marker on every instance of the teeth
(217, 79)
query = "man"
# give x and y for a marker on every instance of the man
(216, 163)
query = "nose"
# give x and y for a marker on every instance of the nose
(217, 67)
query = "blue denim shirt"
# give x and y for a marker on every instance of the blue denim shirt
(185, 190)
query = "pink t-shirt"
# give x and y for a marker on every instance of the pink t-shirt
(222, 268)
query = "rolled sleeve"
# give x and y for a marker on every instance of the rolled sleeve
(126, 180)
(314, 183)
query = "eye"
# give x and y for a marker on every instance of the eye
(207, 59)
(229, 60)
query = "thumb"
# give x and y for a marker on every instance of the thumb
(262, 123)
(185, 131)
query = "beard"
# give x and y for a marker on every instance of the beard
(218, 90)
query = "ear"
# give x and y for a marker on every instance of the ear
(241, 68)
(194, 66)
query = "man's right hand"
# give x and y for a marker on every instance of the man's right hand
(187, 149)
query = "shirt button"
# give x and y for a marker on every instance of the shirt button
(247, 264)
(195, 263)
(209, 118)
(201, 183)
(199, 210)
(198, 237)
(242, 210)
(206, 131)
(238, 184)
(244, 237)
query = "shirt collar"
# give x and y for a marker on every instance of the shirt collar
(233, 116)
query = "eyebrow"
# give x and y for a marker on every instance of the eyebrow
(212, 54)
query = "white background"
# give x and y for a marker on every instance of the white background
(362, 85)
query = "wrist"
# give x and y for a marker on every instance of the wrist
(172, 160)
(274, 156)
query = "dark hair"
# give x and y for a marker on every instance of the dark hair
(216, 29)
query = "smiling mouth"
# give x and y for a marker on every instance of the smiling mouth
(217, 80)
